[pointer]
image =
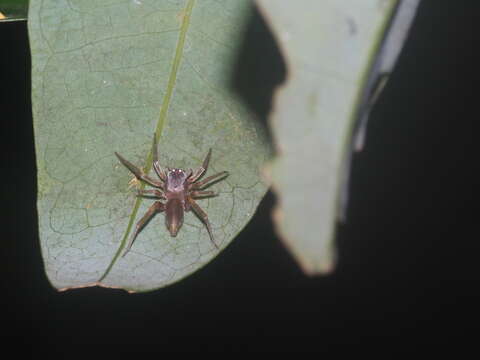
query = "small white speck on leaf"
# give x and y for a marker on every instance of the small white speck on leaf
(285, 36)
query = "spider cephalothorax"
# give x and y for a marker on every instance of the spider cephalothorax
(179, 188)
(175, 180)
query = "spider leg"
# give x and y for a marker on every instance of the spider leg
(139, 174)
(203, 216)
(195, 194)
(156, 165)
(199, 172)
(152, 210)
(154, 193)
(205, 181)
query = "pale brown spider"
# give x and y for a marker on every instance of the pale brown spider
(179, 188)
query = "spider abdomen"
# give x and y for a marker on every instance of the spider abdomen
(174, 215)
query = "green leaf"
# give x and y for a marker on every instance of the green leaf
(105, 76)
(12, 10)
(329, 48)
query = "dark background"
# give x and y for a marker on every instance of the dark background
(408, 256)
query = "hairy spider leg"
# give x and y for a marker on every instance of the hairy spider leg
(138, 172)
(195, 194)
(203, 216)
(199, 172)
(204, 182)
(156, 164)
(153, 192)
(152, 210)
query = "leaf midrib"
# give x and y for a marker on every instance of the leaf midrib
(160, 124)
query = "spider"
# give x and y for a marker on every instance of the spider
(179, 188)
